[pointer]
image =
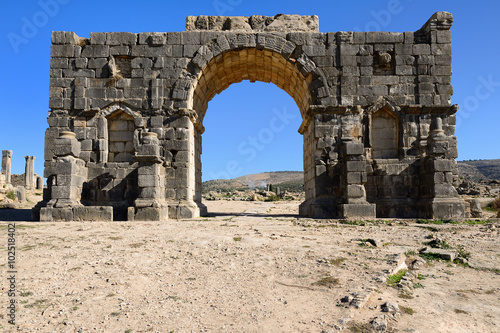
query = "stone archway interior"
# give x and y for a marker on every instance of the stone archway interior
(254, 65)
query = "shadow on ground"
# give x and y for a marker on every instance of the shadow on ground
(8, 214)
(252, 214)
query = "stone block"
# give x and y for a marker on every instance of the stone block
(48, 214)
(190, 38)
(383, 37)
(439, 165)
(121, 50)
(355, 191)
(353, 178)
(65, 147)
(152, 193)
(324, 131)
(94, 213)
(355, 166)
(95, 51)
(354, 148)
(121, 38)
(151, 214)
(441, 49)
(148, 150)
(358, 211)
(62, 51)
(440, 70)
(177, 145)
(65, 192)
(421, 49)
(98, 38)
(141, 63)
(152, 169)
(148, 181)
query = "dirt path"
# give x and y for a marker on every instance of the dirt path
(248, 267)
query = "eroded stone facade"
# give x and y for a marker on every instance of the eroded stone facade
(378, 123)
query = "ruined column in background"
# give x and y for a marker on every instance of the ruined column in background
(29, 174)
(39, 183)
(6, 163)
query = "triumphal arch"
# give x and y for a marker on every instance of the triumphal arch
(126, 116)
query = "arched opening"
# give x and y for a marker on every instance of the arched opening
(384, 138)
(253, 65)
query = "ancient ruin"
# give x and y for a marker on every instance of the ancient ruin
(126, 116)
(5, 176)
(16, 183)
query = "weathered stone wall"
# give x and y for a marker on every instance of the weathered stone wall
(341, 81)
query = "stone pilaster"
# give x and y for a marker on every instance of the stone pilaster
(6, 165)
(151, 204)
(183, 150)
(439, 199)
(353, 178)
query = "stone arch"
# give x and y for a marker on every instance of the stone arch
(233, 58)
(117, 107)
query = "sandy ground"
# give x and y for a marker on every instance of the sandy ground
(249, 267)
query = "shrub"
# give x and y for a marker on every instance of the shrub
(11, 195)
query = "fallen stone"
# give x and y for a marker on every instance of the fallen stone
(479, 263)
(360, 299)
(417, 264)
(397, 262)
(21, 193)
(375, 242)
(346, 299)
(390, 307)
(379, 324)
(443, 254)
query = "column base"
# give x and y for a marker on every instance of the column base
(442, 208)
(186, 209)
(358, 211)
(147, 214)
(81, 213)
(319, 208)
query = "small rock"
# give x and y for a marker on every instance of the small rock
(344, 321)
(417, 264)
(379, 324)
(346, 299)
(443, 254)
(390, 307)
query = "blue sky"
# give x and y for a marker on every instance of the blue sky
(244, 111)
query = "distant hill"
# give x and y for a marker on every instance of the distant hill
(294, 180)
(285, 180)
(479, 169)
